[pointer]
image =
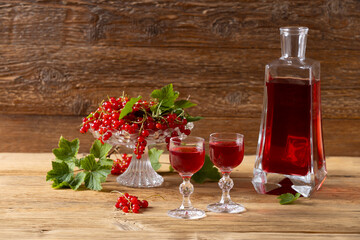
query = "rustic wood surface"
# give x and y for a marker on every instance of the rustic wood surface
(31, 209)
(60, 58)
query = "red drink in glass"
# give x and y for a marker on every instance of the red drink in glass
(187, 160)
(187, 156)
(287, 147)
(226, 155)
(226, 152)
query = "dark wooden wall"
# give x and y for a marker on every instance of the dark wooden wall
(58, 59)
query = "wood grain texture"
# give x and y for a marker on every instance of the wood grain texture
(21, 133)
(60, 58)
(206, 23)
(28, 201)
(72, 80)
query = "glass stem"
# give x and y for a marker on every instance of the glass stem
(186, 189)
(226, 184)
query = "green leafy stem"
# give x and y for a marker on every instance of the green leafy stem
(91, 169)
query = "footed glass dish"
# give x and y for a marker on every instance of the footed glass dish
(140, 173)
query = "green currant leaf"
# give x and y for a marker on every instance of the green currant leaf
(77, 181)
(287, 198)
(60, 173)
(67, 150)
(94, 179)
(95, 174)
(166, 95)
(57, 185)
(106, 162)
(78, 162)
(193, 119)
(154, 156)
(207, 172)
(100, 150)
(157, 94)
(128, 107)
(89, 163)
(171, 169)
(184, 104)
(103, 172)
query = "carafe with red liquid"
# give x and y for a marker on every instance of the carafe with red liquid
(290, 154)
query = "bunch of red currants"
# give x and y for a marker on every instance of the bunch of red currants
(141, 120)
(129, 203)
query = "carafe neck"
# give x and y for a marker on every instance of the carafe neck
(293, 42)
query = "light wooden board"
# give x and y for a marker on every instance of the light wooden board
(31, 209)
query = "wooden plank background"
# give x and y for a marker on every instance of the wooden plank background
(58, 59)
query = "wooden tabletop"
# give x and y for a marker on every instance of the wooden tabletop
(31, 209)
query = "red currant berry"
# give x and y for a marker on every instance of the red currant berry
(133, 200)
(141, 149)
(169, 119)
(143, 143)
(134, 126)
(115, 116)
(135, 206)
(83, 130)
(121, 199)
(182, 128)
(150, 125)
(145, 133)
(159, 126)
(107, 135)
(140, 139)
(187, 131)
(135, 210)
(125, 209)
(144, 204)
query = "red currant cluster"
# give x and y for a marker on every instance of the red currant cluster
(121, 164)
(141, 120)
(128, 203)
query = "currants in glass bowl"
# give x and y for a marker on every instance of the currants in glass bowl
(136, 124)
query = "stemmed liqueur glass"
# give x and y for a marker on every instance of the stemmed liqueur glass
(187, 156)
(226, 152)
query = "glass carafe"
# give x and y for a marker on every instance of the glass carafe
(290, 154)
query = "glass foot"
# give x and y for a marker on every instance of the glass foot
(191, 213)
(140, 174)
(226, 207)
